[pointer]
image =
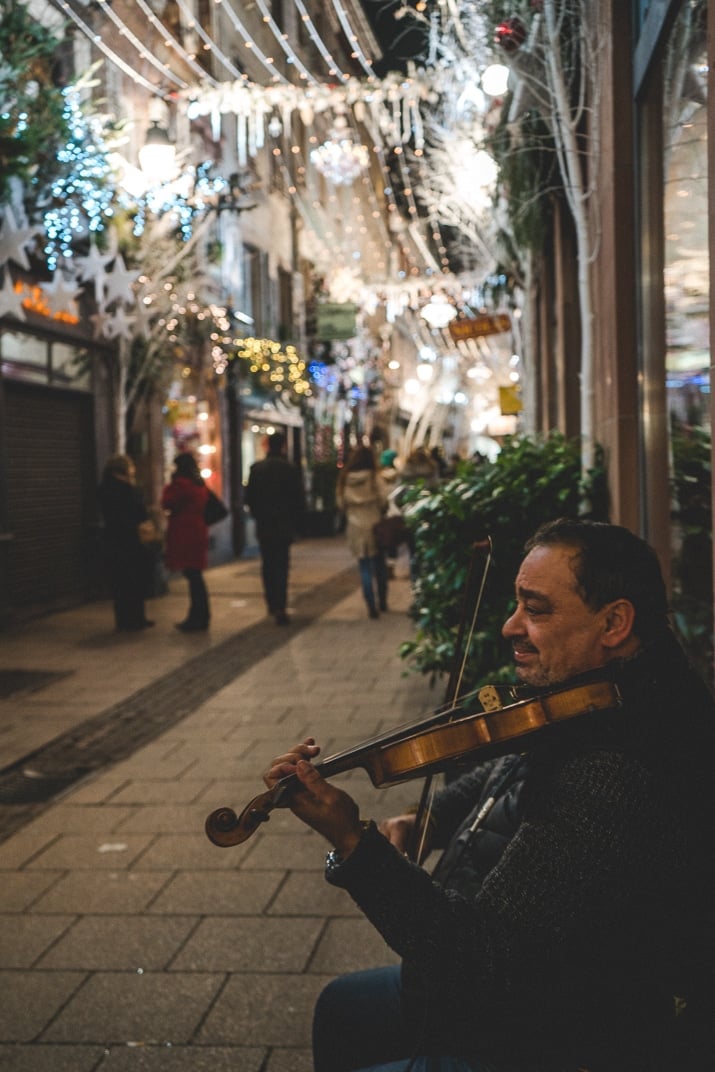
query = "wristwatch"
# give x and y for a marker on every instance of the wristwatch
(333, 860)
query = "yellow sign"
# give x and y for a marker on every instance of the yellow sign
(510, 400)
(476, 326)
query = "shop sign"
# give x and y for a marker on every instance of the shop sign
(477, 326)
(510, 400)
(336, 321)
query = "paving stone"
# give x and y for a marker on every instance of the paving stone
(20, 850)
(79, 851)
(296, 851)
(184, 1059)
(23, 939)
(218, 893)
(81, 819)
(20, 889)
(36, 1057)
(281, 1060)
(111, 892)
(31, 999)
(146, 791)
(189, 852)
(124, 1007)
(114, 943)
(164, 819)
(351, 945)
(97, 789)
(250, 944)
(306, 894)
(269, 1010)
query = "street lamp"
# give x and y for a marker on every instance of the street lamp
(158, 154)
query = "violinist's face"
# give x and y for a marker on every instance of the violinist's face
(554, 634)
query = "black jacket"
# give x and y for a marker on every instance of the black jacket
(275, 497)
(563, 934)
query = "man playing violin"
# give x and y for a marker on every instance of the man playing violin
(568, 924)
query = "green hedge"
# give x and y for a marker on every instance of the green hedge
(532, 480)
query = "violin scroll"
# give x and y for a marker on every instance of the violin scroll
(224, 828)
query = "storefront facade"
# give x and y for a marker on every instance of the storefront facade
(49, 531)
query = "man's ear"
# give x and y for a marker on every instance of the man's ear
(619, 620)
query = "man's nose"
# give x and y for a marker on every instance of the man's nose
(511, 626)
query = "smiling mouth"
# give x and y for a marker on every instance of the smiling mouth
(522, 652)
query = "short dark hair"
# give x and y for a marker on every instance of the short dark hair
(276, 442)
(612, 563)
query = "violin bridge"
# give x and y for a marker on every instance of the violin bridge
(489, 698)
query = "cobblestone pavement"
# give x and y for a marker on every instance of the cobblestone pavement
(128, 942)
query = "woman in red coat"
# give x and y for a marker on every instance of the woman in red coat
(187, 537)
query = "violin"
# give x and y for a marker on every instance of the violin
(428, 746)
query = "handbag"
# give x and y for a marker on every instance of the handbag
(215, 509)
(390, 532)
(147, 532)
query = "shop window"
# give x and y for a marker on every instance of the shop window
(31, 358)
(24, 357)
(70, 366)
(687, 356)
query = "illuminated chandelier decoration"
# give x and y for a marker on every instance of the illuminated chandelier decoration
(339, 159)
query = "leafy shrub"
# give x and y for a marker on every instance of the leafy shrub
(531, 481)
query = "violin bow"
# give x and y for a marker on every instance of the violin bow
(473, 593)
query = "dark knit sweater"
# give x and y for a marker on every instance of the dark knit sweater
(563, 932)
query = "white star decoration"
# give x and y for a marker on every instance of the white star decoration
(60, 295)
(13, 240)
(10, 300)
(119, 325)
(99, 322)
(118, 283)
(93, 267)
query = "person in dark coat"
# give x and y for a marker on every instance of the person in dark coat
(126, 562)
(187, 537)
(276, 499)
(570, 922)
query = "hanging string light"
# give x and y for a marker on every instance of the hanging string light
(333, 68)
(171, 42)
(266, 61)
(112, 56)
(194, 25)
(354, 41)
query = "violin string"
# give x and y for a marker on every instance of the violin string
(424, 808)
(402, 729)
(472, 627)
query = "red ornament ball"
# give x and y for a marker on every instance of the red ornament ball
(510, 34)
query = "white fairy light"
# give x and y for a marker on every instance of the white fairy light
(317, 40)
(112, 56)
(172, 43)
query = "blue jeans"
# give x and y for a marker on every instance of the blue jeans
(373, 575)
(358, 1027)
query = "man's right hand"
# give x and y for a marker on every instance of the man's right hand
(398, 830)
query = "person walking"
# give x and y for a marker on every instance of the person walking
(276, 499)
(187, 537)
(362, 496)
(126, 560)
